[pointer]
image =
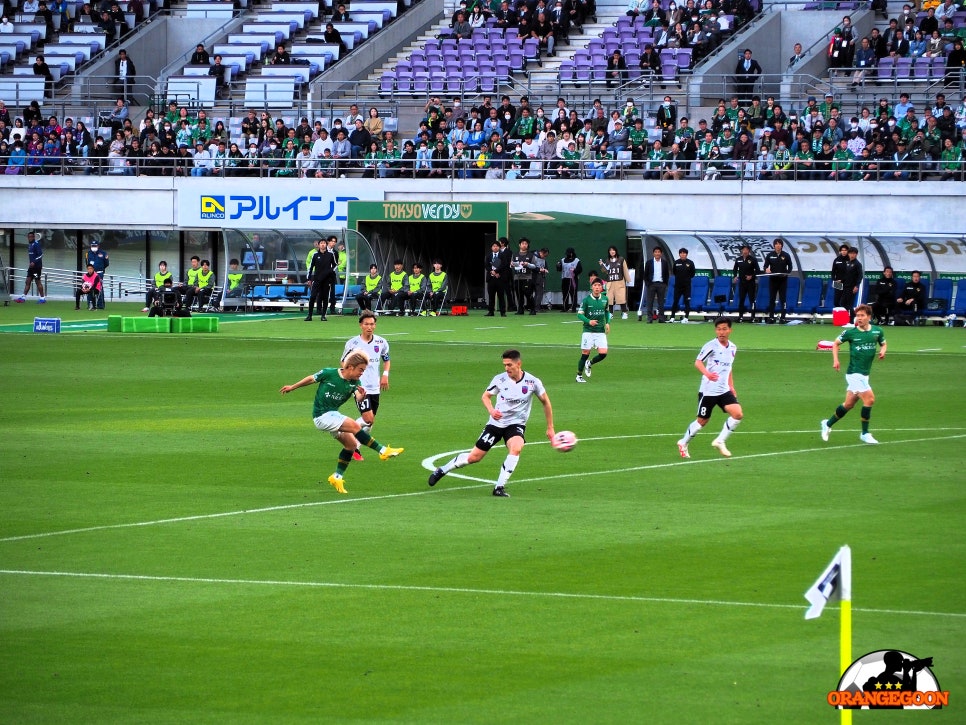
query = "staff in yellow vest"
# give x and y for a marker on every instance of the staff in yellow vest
(438, 284)
(234, 277)
(202, 289)
(395, 289)
(418, 287)
(160, 277)
(369, 294)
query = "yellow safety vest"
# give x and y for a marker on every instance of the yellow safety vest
(396, 281)
(436, 281)
(372, 283)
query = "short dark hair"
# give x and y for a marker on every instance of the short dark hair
(511, 354)
(722, 321)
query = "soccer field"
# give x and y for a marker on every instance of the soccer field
(171, 553)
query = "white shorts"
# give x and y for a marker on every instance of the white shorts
(330, 422)
(590, 340)
(857, 383)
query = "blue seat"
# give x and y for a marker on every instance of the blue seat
(811, 297)
(794, 290)
(720, 288)
(942, 290)
(761, 298)
(960, 307)
(699, 292)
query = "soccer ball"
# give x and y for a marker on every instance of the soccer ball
(564, 441)
(85, 287)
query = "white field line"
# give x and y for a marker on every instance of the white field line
(453, 590)
(428, 464)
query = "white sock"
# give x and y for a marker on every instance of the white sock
(506, 470)
(461, 460)
(692, 431)
(728, 428)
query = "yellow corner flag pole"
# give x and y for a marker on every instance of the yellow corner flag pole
(845, 621)
(836, 581)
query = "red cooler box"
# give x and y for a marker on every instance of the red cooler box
(840, 316)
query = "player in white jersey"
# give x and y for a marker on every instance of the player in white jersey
(377, 350)
(508, 399)
(717, 388)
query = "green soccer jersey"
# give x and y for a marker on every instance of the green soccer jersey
(862, 347)
(332, 392)
(594, 308)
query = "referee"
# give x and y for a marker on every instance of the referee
(778, 264)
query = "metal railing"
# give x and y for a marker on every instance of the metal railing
(624, 168)
(66, 282)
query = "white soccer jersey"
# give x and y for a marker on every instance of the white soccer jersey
(377, 349)
(513, 399)
(717, 358)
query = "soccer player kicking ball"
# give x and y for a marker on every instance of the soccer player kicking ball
(717, 388)
(507, 399)
(862, 340)
(336, 386)
(596, 318)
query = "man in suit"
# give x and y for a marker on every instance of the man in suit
(322, 276)
(746, 75)
(657, 274)
(497, 276)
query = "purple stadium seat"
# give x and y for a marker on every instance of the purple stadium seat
(886, 68)
(420, 83)
(487, 82)
(387, 84)
(566, 71)
(669, 71)
(404, 81)
(921, 68)
(903, 68)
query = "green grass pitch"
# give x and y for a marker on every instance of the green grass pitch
(171, 553)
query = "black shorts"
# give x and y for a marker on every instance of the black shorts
(34, 272)
(707, 403)
(493, 434)
(369, 403)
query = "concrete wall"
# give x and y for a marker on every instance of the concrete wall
(807, 207)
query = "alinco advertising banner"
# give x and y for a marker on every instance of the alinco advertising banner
(273, 203)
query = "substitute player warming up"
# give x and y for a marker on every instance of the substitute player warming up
(717, 388)
(596, 318)
(336, 386)
(507, 399)
(862, 339)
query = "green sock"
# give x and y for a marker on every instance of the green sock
(345, 458)
(866, 413)
(836, 416)
(367, 440)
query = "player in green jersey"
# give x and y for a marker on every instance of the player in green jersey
(336, 386)
(863, 340)
(596, 318)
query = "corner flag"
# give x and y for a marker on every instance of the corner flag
(835, 581)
